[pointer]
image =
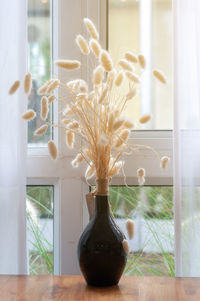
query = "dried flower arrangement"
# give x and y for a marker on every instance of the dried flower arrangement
(97, 115)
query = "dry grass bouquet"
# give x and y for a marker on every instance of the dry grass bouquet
(96, 114)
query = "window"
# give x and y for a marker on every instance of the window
(146, 27)
(39, 208)
(63, 21)
(39, 62)
(151, 209)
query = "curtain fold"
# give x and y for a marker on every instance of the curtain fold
(13, 40)
(187, 136)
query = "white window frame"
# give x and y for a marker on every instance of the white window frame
(70, 213)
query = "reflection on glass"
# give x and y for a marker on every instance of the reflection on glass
(145, 27)
(151, 209)
(39, 208)
(39, 62)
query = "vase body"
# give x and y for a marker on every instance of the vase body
(101, 255)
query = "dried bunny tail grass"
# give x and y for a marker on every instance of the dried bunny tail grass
(44, 108)
(52, 149)
(106, 60)
(128, 124)
(66, 121)
(115, 169)
(74, 125)
(142, 61)
(126, 65)
(141, 176)
(163, 161)
(82, 44)
(160, 76)
(90, 171)
(95, 47)
(28, 83)
(53, 85)
(122, 138)
(118, 124)
(131, 57)
(133, 77)
(110, 78)
(111, 122)
(130, 228)
(15, 86)
(145, 118)
(98, 74)
(91, 28)
(141, 181)
(132, 93)
(125, 246)
(41, 130)
(70, 137)
(43, 89)
(77, 160)
(68, 64)
(51, 99)
(103, 95)
(78, 85)
(29, 115)
(119, 78)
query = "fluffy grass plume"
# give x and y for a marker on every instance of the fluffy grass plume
(124, 64)
(145, 118)
(130, 228)
(41, 130)
(78, 159)
(163, 161)
(122, 138)
(27, 83)
(70, 139)
(106, 60)
(44, 108)
(119, 78)
(160, 76)
(29, 115)
(95, 47)
(15, 86)
(131, 57)
(132, 77)
(53, 85)
(98, 75)
(132, 93)
(141, 176)
(91, 28)
(125, 246)
(51, 99)
(68, 64)
(142, 61)
(52, 149)
(82, 44)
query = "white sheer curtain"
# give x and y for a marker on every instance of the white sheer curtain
(12, 138)
(187, 136)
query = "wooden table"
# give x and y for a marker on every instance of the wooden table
(70, 288)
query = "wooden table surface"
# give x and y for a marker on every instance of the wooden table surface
(70, 288)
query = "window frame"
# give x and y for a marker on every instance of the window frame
(70, 187)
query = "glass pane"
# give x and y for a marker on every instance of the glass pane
(151, 209)
(39, 209)
(145, 27)
(39, 62)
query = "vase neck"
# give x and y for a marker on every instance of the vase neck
(102, 205)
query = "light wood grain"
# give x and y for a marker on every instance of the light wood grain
(71, 288)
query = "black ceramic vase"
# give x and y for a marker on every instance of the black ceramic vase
(101, 254)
